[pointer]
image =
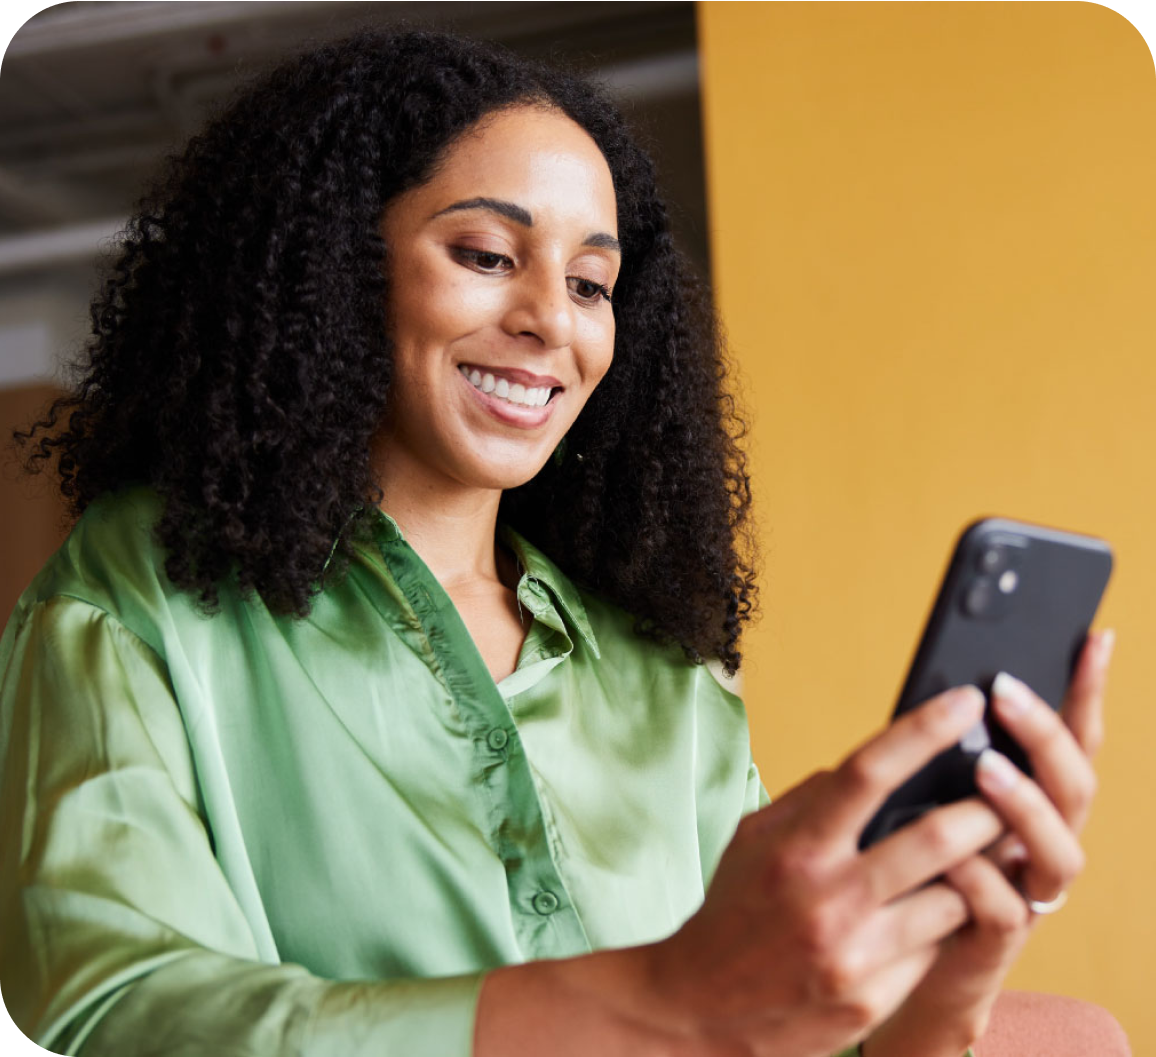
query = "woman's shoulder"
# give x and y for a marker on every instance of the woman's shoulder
(110, 560)
(622, 642)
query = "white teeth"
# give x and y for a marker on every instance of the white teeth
(501, 387)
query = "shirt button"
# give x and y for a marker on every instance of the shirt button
(545, 903)
(497, 739)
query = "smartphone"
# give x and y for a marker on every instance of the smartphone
(1016, 598)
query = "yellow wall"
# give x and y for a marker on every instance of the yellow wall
(934, 238)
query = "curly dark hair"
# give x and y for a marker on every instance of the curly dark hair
(239, 361)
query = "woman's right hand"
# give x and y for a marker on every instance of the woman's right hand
(804, 943)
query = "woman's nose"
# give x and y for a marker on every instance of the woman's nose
(540, 306)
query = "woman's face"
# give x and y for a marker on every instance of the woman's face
(500, 270)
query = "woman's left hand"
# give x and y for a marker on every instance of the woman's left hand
(1037, 860)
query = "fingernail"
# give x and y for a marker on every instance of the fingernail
(1012, 697)
(995, 771)
(966, 702)
(1106, 646)
(1015, 852)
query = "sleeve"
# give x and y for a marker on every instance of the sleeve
(120, 932)
(756, 794)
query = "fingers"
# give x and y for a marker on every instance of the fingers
(1059, 764)
(1009, 854)
(1082, 709)
(865, 779)
(1054, 854)
(873, 970)
(915, 921)
(994, 904)
(927, 847)
(890, 987)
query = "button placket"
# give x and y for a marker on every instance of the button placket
(545, 923)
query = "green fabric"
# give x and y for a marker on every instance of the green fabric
(244, 834)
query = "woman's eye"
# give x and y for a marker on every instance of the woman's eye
(485, 260)
(588, 289)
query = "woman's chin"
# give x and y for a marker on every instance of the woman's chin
(507, 477)
(498, 467)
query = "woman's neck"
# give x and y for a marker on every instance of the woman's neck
(451, 527)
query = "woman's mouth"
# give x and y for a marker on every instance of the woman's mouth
(500, 387)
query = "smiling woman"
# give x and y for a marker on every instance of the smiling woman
(511, 285)
(500, 317)
(364, 709)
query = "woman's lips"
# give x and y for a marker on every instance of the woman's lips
(514, 375)
(510, 413)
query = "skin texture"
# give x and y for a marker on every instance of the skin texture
(473, 286)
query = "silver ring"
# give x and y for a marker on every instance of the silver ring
(1039, 906)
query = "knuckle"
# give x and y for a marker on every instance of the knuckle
(926, 721)
(938, 836)
(822, 935)
(837, 974)
(816, 931)
(953, 913)
(862, 772)
(798, 862)
(861, 1012)
(1089, 786)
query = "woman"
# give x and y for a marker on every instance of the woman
(307, 748)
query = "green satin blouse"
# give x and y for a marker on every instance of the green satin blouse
(246, 834)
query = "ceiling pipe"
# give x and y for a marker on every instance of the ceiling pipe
(76, 244)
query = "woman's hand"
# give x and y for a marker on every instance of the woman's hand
(1038, 860)
(805, 943)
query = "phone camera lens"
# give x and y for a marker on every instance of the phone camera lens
(992, 559)
(978, 598)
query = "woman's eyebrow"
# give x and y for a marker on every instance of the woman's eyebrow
(601, 241)
(514, 212)
(495, 205)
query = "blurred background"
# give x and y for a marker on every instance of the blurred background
(931, 230)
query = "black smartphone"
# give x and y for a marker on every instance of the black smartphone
(1016, 598)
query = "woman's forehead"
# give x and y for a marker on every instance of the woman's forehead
(533, 157)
